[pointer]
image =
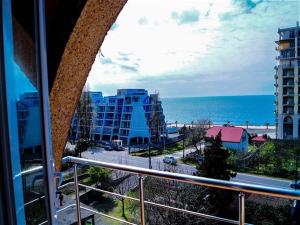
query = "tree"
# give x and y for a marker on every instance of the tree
(101, 176)
(81, 146)
(215, 165)
(175, 194)
(215, 160)
(197, 134)
(83, 115)
(155, 122)
(124, 183)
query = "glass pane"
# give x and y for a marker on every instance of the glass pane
(24, 111)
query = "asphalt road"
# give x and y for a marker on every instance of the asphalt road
(122, 157)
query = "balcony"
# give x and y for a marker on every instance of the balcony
(289, 74)
(289, 103)
(287, 84)
(241, 190)
(289, 93)
(289, 111)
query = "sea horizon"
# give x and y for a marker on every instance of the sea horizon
(207, 96)
(258, 110)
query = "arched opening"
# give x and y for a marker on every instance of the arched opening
(288, 127)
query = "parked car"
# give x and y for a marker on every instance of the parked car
(120, 148)
(170, 160)
(108, 147)
(194, 155)
(295, 185)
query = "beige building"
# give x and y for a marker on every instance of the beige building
(287, 83)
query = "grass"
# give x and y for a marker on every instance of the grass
(157, 152)
(113, 207)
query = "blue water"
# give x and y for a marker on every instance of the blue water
(257, 109)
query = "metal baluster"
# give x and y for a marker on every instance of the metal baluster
(77, 195)
(142, 204)
(242, 208)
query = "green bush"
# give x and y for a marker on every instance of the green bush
(100, 176)
(264, 214)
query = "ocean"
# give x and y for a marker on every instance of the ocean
(257, 109)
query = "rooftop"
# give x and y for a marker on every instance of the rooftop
(229, 133)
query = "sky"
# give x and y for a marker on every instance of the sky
(193, 48)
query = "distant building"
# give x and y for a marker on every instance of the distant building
(259, 140)
(287, 83)
(232, 137)
(133, 116)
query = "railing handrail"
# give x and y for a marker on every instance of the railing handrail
(201, 181)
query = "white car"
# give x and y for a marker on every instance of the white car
(170, 160)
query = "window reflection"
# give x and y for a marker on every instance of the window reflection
(24, 111)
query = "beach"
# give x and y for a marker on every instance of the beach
(259, 130)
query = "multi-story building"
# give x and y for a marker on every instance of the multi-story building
(287, 83)
(133, 116)
(29, 122)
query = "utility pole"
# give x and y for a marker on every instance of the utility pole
(183, 140)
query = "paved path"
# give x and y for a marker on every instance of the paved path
(122, 157)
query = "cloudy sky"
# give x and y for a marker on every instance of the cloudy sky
(193, 48)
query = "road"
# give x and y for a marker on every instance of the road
(122, 157)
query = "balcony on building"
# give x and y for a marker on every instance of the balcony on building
(288, 91)
(288, 101)
(287, 82)
(288, 110)
(288, 73)
(286, 54)
(286, 35)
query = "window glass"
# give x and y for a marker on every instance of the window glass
(24, 110)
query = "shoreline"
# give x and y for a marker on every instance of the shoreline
(252, 129)
(270, 127)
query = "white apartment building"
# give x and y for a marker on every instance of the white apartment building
(287, 83)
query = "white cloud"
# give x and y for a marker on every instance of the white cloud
(208, 43)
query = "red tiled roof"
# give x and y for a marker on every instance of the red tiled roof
(229, 134)
(259, 139)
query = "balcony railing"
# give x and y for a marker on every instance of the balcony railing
(241, 188)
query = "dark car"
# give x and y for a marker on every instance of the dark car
(120, 148)
(295, 185)
(108, 147)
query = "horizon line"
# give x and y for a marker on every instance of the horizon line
(205, 96)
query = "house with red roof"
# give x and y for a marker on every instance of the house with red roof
(235, 138)
(259, 140)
